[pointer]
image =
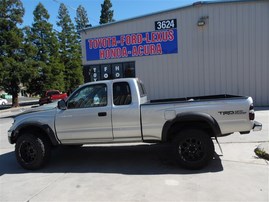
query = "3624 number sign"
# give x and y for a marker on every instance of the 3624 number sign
(166, 24)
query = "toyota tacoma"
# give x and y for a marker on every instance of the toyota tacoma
(117, 111)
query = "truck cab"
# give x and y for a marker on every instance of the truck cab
(104, 111)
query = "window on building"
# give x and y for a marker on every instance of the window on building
(109, 71)
(129, 70)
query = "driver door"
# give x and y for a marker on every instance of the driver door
(87, 117)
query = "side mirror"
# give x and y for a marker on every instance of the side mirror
(61, 105)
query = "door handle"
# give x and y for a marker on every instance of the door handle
(102, 114)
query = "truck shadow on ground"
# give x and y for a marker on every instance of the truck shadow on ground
(129, 160)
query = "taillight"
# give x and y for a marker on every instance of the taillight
(251, 112)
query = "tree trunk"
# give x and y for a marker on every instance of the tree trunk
(15, 100)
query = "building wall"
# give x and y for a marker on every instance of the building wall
(229, 55)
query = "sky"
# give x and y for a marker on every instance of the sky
(123, 9)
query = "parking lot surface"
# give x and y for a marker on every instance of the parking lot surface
(140, 172)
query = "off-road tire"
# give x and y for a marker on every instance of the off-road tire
(193, 149)
(32, 151)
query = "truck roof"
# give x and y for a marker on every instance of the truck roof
(112, 81)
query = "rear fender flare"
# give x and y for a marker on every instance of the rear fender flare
(188, 117)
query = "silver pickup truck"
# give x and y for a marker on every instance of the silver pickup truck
(117, 111)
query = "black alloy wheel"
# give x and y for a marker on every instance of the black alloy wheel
(193, 148)
(32, 151)
(28, 151)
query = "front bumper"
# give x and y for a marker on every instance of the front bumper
(257, 126)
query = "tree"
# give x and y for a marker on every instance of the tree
(106, 12)
(82, 20)
(11, 47)
(50, 69)
(69, 50)
(31, 72)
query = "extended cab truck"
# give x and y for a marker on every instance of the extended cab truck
(50, 96)
(116, 111)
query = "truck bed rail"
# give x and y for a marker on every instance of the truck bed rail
(198, 98)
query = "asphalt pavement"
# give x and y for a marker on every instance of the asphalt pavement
(138, 172)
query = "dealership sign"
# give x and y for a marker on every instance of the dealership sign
(132, 45)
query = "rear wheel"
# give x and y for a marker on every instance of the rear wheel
(193, 148)
(32, 152)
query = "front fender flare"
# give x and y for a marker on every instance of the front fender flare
(43, 127)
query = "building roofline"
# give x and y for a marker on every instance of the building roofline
(198, 3)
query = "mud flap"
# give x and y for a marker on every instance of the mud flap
(219, 145)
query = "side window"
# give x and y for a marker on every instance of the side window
(121, 94)
(89, 96)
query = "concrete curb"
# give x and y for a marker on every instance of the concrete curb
(262, 151)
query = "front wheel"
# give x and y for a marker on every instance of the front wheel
(193, 148)
(32, 152)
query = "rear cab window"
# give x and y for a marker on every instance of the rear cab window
(141, 89)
